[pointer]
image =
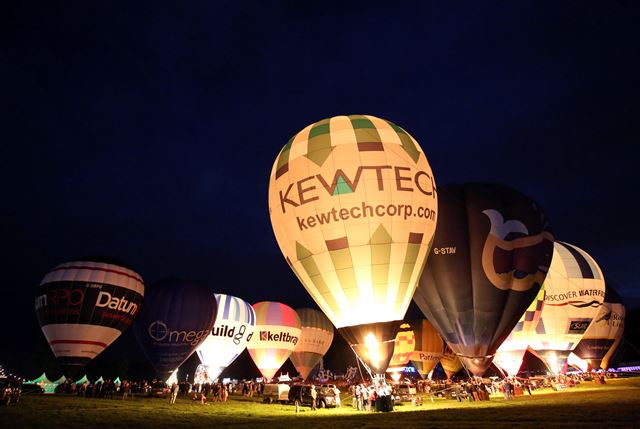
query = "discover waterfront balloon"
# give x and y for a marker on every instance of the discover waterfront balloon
(575, 291)
(491, 253)
(315, 339)
(84, 305)
(229, 336)
(276, 335)
(177, 316)
(511, 352)
(353, 206)
(604, 331)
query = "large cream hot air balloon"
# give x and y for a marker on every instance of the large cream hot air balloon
(276, 334)
(353, 206)
(574, 293)
(315, 340)
(511, 352)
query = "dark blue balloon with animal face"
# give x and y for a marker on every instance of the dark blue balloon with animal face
(176, 317)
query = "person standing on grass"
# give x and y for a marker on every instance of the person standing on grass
(174, 393)
(336, 391)
(314, 395)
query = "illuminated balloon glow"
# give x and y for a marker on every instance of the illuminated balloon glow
(315, 339)
(353, 206)
(84, 305)
(229, 336)
(404, 345)
(491, 253)
(276, 335)
(575, 291)
(511, 352)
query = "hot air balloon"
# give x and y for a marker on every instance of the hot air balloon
(229, 336)
(491, 252)
(574, 293)
(604, 331)
(84, 305)
(177, 316)
(353, 207)
(450, 362)
(429, 347)
(315, 339)
(511, 352)
(275, 337)
(403, 347)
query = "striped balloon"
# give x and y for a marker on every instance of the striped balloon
(229, 336)
(511, 352)
(277, 333)
(84, 305)
(575, 291)
(315, 339)
(429, 347)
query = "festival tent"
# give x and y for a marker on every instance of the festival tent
(48, 385)
(83, 380)
(61, 380)
(42, 379)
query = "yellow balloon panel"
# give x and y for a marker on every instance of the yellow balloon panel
(511, 352)
(353, 206)
(575, 291)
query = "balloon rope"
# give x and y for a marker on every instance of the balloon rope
(358, 360)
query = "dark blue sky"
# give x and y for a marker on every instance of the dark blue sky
(147, 131)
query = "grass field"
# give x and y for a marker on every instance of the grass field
(616, 404)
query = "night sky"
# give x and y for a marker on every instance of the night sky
(147, 131)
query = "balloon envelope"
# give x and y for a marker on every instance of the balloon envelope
(235, 323)
(315, 339)
(429, 347)
(491, 252)
(177, 316)
(511, 352)
(84, 305)
(604, 331)
(403, 347)
(575, 291)
(353, 207)
(450, 362)
(276, 335)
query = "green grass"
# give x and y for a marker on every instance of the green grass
(616, 404)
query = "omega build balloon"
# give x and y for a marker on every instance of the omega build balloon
(177, 316)
(575, 291)
(229, 336)
(315, 339)
(491, 253)
(276, 335)
(353, 206)
(84, 305)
